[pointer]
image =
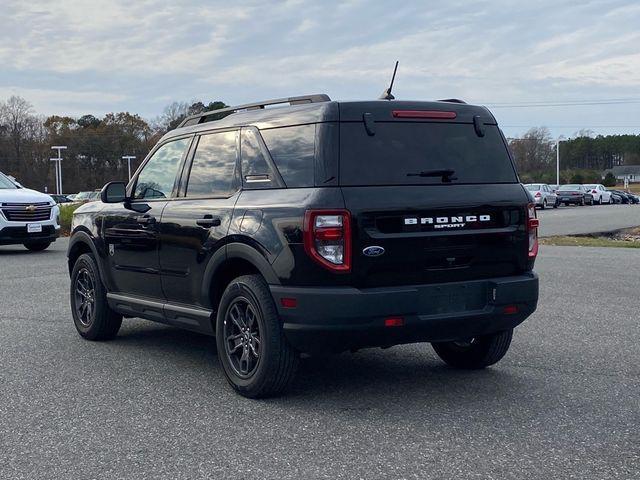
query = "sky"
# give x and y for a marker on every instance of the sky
(567, 65)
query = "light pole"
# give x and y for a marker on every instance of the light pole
(58, 164)
(560, 139)
(128, 158)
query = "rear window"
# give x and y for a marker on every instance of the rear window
(534, 188)
(400, 153)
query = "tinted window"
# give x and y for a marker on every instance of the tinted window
(293, 151)
(256, 172)
(400, 152)
(214, 165)
(569, 187)
(159, 174)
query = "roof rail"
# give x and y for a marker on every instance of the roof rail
(201, 117)
(452, 100)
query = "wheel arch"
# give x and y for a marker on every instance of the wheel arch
(81, 242)
(237, 259)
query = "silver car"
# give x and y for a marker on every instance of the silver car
(543, 195)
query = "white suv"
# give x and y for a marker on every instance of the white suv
(27, 217)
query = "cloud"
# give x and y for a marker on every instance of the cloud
(140, 55)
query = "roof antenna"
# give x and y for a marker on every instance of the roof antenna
(386, 95)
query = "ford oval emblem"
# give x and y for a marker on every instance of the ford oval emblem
(373, 251)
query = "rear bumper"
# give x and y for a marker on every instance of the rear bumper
(335, 319)
(19, 235)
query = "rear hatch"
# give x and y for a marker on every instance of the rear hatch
(435, 189)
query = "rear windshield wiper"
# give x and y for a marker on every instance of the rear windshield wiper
(446, 174)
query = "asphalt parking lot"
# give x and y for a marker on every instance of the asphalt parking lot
(589, 219)
(564, 403)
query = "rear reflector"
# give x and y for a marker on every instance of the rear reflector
(289, 302)
(510, 309)
(435, 114)
(394, 322)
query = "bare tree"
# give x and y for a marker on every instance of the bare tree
(16, 116)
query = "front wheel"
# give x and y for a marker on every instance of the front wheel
(256, 358)
(475, 353)
(37, 246)
(93, 318)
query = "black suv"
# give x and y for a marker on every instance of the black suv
(313, 227)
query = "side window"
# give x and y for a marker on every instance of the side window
(213, 170)
(293, 151)
(256, 171)
(158, 176)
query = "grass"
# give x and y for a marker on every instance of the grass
(581, 241)
(66, 214)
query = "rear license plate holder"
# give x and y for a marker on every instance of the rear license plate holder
(446, 299)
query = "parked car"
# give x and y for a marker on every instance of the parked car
(543, 195)
(248, 228)
(60, 198)
(574, 194)
(616, 198)
(27, 217)
(600, 194)
(89, 196)
(72, 196)
(625, 197)
(554, 188)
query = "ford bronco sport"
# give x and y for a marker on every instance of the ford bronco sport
(317, 226)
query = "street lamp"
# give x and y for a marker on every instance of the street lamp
(58, 164)
(560, 139)
(128, 158)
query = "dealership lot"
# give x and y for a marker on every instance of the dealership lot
(593, 219)
(153, 403)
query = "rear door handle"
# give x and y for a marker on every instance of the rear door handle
(146, 220)
(209, 221)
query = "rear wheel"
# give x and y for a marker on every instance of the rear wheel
(256, 358)
(37, 246)
(544, 204)
(475, 353)
(93, 318)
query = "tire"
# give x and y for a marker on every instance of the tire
(556, 204)
(544, 204)
(94, 321)
(610, 200)
(479, 353)
(37, 246)
(582, 202)
(248, 313)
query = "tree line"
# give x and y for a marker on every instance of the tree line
(583, 158)
(95, 146)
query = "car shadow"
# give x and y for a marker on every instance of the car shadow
(368, 380)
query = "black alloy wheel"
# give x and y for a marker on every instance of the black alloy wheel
(243, 337)
(85, 297)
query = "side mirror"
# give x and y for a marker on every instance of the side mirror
(113, 192)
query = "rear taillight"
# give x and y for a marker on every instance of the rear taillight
(538, 195)
(594, 191)
(532, 228)
(327, 238)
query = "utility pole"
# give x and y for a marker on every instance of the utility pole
(58, 164)
(128, 158)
